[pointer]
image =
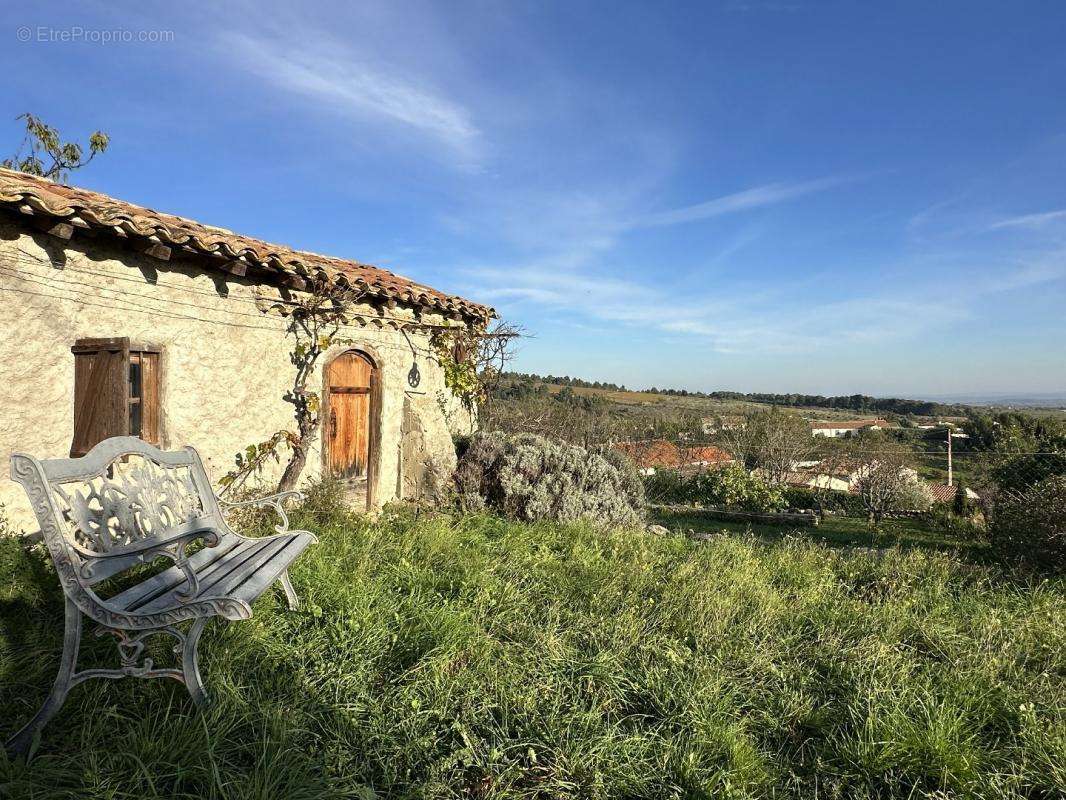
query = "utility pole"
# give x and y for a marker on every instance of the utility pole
(949, 457)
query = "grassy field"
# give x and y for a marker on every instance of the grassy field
(837, 532)
(470, 657)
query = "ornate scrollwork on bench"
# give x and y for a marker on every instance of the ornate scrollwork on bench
(136, 500)
(130, 650)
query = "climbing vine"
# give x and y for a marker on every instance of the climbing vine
(251, 461)
(454, 349)
(315, 317)
(472, 358)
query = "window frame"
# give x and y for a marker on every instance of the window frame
(116, 409)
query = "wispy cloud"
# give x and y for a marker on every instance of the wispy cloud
(743, 323)
(339, 80)
(758, 197)
(1031, 220)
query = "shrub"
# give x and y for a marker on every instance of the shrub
(325, 496)
(943, 519)
(846, 503)
(527, 477)
(666, 486)
(731, 487)
(734, 488)
(631, 483)
(960, 504)
(1019, 472)
(1030, 526)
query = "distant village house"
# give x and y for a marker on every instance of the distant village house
(842, 428)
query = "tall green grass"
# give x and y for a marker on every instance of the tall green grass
(471, 657)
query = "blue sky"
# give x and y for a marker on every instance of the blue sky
(761, 196)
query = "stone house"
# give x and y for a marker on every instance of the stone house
(122, 320)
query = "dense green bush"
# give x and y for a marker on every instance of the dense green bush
(1030, 526)
(730, 487)
(733, 487)
(1019, 472)
(666, 486)
(845, 503)
(531, 478)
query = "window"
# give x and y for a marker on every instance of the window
(116, 392)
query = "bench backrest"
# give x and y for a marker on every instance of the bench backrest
(122, 503)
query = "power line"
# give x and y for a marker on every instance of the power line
(160, 313)
(196, 290)
(131, 306)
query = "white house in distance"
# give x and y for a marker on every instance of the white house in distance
(841, 428)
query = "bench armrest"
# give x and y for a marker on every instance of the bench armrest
(209, 533)
(275, 500)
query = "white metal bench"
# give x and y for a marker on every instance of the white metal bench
(127, 503)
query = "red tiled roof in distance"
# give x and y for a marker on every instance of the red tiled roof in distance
(668, 455)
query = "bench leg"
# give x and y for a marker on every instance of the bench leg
(190, 662)
(20, 742)
(290, 593)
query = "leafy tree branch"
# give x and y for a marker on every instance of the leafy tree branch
(43, 152)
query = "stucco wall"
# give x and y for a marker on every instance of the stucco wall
(225, 364)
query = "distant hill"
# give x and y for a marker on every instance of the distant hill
(1034, 400)
(856, 403)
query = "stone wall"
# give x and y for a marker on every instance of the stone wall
(225, 364)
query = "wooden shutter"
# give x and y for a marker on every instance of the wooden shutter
(150, 415)
(101, 391)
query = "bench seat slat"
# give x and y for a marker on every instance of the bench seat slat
(202, 562)
(208, 578)
(243, 571)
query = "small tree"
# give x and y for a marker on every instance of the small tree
(771, 441)
(836, 457)
(887, 483)
(49, 156)
(960, 504)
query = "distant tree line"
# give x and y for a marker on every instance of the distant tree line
(851, 402)
(563, 380)
(854, 402)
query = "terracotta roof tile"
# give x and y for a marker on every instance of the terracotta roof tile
(43, 197)
(665, 454)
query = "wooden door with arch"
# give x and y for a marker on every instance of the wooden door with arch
(351, 399)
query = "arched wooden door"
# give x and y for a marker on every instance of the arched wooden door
(350, 381)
